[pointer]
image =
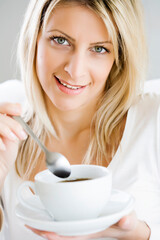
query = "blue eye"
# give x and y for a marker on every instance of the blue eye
(60, 40)
(99, 49)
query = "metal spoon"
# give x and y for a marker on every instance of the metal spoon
(55, 161)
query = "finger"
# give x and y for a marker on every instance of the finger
(44, 234)
(11, 129)
(36, 231)
(52, 235)
(81, 237)
(6, 132)
(10, 108)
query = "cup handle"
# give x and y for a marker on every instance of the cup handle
(35, 204)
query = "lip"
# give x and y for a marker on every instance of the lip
(69, 83)
(69, 91)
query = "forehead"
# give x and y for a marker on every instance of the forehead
(77, 20)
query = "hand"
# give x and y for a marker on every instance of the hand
(127, 228)
(10, 134)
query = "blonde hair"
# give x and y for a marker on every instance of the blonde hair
(124, 22)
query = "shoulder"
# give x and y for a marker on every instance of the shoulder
(146, 111)
(12, 91)
(152, 86)
(150, 99)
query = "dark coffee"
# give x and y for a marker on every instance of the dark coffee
(75, 180)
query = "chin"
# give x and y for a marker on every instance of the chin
(65, 104)
(66, 109)
(63, 107)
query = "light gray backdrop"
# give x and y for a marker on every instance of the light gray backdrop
(11, 15)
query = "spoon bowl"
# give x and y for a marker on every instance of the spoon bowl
(56, 162)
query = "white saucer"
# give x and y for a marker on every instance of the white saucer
(120, 204)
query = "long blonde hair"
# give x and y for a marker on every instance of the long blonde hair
(124, 22)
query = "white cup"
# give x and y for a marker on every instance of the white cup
(68, 201)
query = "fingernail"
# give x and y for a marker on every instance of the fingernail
(23, 134)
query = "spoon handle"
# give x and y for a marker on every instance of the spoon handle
(30, 132)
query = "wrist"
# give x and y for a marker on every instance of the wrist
(143, 231)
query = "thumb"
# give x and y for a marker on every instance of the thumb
(128, 222)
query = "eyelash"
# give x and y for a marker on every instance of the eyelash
(53, 38)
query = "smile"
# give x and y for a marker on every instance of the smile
(69, 86)
(68, 89)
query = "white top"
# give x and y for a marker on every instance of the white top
(135, 166)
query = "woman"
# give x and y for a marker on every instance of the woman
(83, 65)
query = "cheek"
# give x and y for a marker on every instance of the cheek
(102, 70)
(43, 63)
(48, 61)
(106, 66)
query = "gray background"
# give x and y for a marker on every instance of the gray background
(11, 15)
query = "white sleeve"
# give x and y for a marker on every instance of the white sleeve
(12, 91)
(154, 223)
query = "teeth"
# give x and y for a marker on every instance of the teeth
(69, 86)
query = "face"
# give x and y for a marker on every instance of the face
(74, 58)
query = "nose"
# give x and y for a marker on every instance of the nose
(76, 65)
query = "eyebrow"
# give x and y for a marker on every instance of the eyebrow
(73, 40)
(96, 43)
(56, 30)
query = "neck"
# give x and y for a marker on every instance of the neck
(70, 124)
